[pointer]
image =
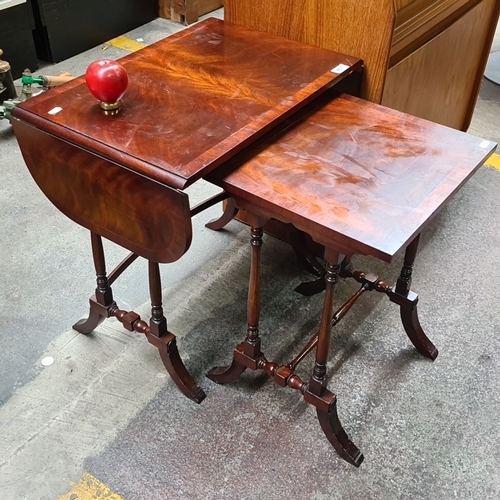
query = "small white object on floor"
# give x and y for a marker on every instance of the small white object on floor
(47, 361)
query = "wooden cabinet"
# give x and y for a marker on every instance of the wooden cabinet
(448, 67)
(187, 11)
(424, 57)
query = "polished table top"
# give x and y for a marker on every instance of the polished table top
(360, 177)
(194, 100)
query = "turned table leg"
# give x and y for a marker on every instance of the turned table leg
(246, 354)
(407, 301)
(160, 337)
(316, 393)
(102, 303)
(103, 306)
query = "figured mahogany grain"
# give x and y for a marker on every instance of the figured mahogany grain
(354, 175)
(141, 215)
(193, 101)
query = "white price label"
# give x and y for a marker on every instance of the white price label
(340, 68)
(55, 110)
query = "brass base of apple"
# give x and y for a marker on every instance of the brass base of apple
(110, 108)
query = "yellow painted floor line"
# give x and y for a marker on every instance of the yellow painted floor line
(493, 161)
(89, 488)
(125, 43)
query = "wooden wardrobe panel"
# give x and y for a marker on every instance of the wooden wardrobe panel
(421, 21)
(401, 4)
(338, 25)
(438, 81)
(431, 52)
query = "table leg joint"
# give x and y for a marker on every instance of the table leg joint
(323, 401)
(410, 299)
(97, 314)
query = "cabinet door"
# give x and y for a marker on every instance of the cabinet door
(439, 81)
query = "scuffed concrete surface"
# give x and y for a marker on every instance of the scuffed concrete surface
(427, 429)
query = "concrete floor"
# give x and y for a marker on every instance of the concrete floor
(106, 408)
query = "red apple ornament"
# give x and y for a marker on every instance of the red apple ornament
(107, 80)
